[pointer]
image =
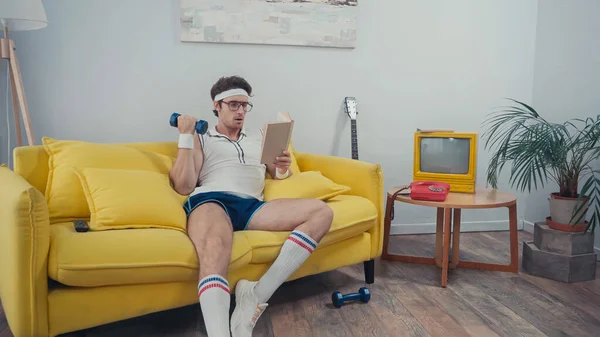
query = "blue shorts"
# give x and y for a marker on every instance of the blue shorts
(240, 210)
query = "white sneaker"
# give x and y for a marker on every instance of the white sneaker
(247, 309)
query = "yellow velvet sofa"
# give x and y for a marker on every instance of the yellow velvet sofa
(55, 280)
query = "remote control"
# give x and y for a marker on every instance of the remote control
(81, 226)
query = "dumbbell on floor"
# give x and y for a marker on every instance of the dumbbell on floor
(338, 299)
(201, 125)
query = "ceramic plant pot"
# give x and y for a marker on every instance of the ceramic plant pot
(566, 227)
(561, 211)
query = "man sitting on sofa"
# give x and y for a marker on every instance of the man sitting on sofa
(221, 172)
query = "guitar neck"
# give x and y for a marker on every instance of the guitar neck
(354, 139)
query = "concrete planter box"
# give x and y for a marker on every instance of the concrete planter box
(561, 256)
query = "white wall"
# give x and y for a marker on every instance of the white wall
(567, 71)
(417, 64)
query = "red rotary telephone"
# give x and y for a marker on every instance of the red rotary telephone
(428, 190)
(424, 190)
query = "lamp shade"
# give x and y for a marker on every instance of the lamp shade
(23, 14)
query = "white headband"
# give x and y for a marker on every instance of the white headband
(231, 92)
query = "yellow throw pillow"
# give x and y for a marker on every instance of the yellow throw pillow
(309, 184)
(294, 165)
(63, 191)
(120, 199)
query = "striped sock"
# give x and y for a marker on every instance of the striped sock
(296, 249)
(214, 297)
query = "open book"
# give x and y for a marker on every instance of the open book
(276, 138)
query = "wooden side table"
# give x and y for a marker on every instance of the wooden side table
(449, 212)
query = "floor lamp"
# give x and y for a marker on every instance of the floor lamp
(18, 15)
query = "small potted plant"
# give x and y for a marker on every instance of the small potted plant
(542, 151)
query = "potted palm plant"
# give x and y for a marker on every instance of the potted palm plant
(541, 151)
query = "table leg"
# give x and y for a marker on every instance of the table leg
(439, 232)
(386, 227)
(455, 238)
(447, 219)
(514, 235)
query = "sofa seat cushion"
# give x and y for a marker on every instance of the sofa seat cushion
(353, 215)
(128, 256)
(152, 255)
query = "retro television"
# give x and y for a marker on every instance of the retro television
(446, 156)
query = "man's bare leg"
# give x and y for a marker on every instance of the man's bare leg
(309, 220)
(310, 216)
(210, 230)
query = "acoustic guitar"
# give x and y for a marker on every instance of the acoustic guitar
(352, 111)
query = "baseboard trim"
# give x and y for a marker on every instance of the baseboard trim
(528, 226)
(468, 226)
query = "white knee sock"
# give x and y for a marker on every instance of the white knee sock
(214, 297)
(296, 249)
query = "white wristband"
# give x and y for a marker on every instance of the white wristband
(186, 141)
(282, 175)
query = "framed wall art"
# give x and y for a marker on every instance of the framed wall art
(320, 23)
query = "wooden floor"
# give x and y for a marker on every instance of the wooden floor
(407, 300)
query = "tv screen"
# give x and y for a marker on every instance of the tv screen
(445, 155)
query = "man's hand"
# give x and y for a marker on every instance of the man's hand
(186, 124)
(282, 163)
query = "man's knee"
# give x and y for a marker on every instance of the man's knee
(324, 211)
(323, 214)
(217, 243)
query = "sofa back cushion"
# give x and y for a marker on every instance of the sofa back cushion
(31, 162)
(49, 168)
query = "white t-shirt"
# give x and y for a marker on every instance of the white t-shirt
(231, 166)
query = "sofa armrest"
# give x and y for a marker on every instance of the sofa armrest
(365, 180)
(24, 246)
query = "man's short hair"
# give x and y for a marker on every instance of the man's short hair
(228, 83)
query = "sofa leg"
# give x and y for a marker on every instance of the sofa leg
(369, 271)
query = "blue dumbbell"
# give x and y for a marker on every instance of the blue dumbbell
(201, 125)
(338, 299)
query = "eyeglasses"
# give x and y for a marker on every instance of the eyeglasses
(235, 105)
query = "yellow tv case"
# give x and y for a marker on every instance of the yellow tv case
(464, 183)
